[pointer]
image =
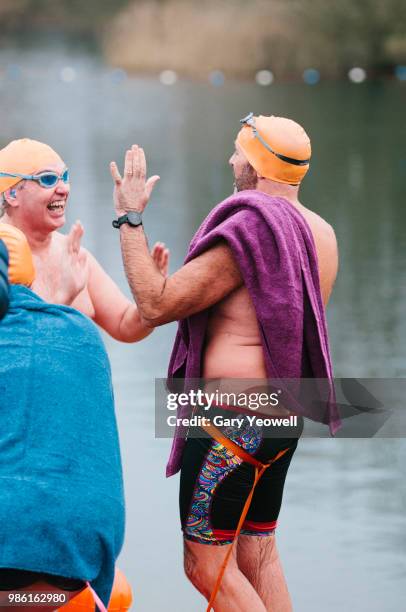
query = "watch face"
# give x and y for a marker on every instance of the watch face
(134, 218)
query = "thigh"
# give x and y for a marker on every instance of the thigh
(214, 486)
(266, 503)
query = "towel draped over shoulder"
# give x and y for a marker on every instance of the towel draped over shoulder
(275, 252)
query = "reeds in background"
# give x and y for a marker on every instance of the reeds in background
(239, 37)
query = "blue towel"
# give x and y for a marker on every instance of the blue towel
(3, 279)
(61, 490)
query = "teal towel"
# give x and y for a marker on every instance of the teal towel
(61, 490)
(3, 279)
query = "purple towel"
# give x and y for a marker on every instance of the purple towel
(274, 249)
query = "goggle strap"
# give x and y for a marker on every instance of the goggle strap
(249, 120)
(23, 176)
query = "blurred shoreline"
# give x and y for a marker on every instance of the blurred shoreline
(232, 37)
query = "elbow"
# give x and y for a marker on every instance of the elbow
(155, 307)
(154, 314)
(155, 319)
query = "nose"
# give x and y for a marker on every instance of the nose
(62, 187)
(231, 160)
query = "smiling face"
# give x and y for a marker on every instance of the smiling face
(37, 208)
(245, 177)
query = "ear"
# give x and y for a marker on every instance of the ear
(11, 197)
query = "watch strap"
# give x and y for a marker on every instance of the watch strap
(132, 218)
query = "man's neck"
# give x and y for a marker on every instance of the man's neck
(279, 190)
(37, 239)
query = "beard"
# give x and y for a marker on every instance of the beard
(247, 179)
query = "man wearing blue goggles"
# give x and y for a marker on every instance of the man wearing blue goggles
(34, 190)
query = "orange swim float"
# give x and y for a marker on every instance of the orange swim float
(21, 270)
(120, 600)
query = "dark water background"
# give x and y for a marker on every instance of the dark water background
(342, 531)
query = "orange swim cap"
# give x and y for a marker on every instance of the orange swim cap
(276, 147)
(24, 156)
(120, 600)
(21, 269)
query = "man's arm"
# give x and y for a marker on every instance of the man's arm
(199, 284)
(113, 311)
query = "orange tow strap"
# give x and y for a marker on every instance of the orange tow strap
(260, 468)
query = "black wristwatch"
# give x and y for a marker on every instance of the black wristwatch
(132, 218)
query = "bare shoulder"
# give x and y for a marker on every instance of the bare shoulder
(323, 232)
(91, 258)
(327, 250)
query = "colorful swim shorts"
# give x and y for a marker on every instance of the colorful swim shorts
(215, 483)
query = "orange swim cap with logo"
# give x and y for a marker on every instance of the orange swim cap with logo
(24, 156)
(276, 147)
(21, 269)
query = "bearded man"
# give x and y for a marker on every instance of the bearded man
(250, 304)
(34, 191)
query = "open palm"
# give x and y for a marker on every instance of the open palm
(74, 265)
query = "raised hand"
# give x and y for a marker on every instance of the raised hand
(132, 191)
(160, 255)
(74, 266)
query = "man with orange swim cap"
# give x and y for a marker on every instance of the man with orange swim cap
(250, 302)
(34, 191)
(277, 148)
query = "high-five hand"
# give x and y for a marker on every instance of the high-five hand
(74, 266)
(132, 191)
(160, 255)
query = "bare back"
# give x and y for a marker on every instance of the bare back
(233, 345)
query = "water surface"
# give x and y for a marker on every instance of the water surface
(342, 527)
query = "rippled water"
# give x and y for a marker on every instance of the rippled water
(342, 527)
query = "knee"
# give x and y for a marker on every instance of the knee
(201, 574)
(256, 551)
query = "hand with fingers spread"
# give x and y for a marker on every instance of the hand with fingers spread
(132, 191)
(160, 255)
(74, 266)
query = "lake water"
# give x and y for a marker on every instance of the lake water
(342, 531)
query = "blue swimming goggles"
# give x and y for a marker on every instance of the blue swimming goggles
(250, 120)
(47, 179)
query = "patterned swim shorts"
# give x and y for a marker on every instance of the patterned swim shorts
(215, 484)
